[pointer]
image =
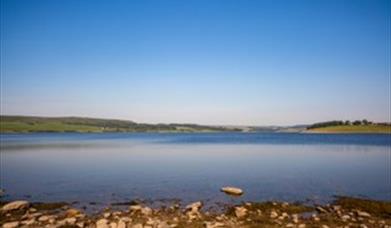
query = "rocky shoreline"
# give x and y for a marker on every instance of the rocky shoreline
(343, 212)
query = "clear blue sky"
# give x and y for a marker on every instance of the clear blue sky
(208, 62)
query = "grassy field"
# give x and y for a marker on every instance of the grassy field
(379, 129)
(24, 124)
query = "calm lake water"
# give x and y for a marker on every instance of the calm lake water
(117, 167)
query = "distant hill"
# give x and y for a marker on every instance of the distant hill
(10, 124)
(26, 124)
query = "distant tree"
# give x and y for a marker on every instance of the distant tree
(347, 122)
(326, 124)
(357, 122)
(365, 122)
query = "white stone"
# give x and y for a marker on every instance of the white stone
(345, 217)
(121, 224)
(16, 205)
(363, 214)
(232, 191)
(194, 206)
(240, 212)
(273, 214)
(44, 218)
(214, 224)
(135, 208)
(146, 211)
(102, 223)
(70, 221)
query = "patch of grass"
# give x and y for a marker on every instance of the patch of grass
(45, 127)
(381, 129)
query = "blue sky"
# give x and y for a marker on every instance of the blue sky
(209, 62)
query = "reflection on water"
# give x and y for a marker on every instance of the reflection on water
(108, 168)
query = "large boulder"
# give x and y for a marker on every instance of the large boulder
(232, 191)
(15, 205)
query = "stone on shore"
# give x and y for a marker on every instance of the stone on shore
(273, 214)
(72, 212)
(147, 211)
(240, 212)
(134, 208)
(138, 225)
(232, 191)
(15, 205)
(102, 223)
(11, 225)
(194, 206)
(121, 224)
(193, 210)
(363, 214)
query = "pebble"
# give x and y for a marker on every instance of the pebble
(11, 225)
(71, 212)
(194, 206)
(146, 211)
(44, 218)
(28, 222)
(363, 214)
(321, 210)
(345, 218)
(273, 214)
(285, 204)
(213, 224)
(336, 207)
(102, 223)
(70, 221)
(121, 224)
(163, 225)
(240, 212)
(135, 208)
(295, 218)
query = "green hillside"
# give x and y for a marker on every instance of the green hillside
(350, 127)
(9, 124)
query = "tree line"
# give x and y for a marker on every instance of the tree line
(344, 123)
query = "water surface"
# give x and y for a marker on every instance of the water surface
(117, 167)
